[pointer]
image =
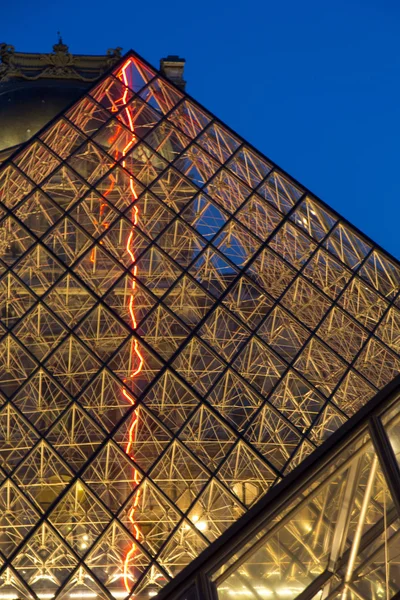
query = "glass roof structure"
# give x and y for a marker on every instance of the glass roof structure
(329, 531)
(181, 325)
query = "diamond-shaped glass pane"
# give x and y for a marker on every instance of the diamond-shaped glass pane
(181, 324)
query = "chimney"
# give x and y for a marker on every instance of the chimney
(172, 68)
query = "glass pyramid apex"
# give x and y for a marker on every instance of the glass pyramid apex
(181, 323)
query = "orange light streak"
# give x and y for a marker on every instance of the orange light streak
(137, 360)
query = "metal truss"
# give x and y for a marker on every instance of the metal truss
(181, 325)
(330, 531)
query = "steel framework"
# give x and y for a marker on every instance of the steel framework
(181, 325)
(329, 531)
(339, 540)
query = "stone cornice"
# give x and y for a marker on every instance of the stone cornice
(59, 64)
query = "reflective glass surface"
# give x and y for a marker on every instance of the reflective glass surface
(181, 324)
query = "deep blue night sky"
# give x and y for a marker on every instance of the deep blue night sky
(315, 85)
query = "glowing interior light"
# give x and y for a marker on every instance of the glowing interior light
(116, 576)
(152, 593)
(289, 592)
(137, 360)
(85, 537)
(43, 576)
(199, 523)
(236, 593)
(45, 596)
(83, 546)
(10, 596)
(265, 592)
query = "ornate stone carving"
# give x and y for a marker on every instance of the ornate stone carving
(59, 64)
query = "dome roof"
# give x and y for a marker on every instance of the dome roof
(26, 106)
(34, 88)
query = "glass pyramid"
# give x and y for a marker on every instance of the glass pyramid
(181, 324)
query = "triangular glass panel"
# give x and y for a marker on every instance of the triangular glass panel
(134, 73)
(36, 161)
(87, 115)
(180, 476)
(87, 519)
(181, 242)
(16, 437)
(112, 476)
(102, 332)
(82, 584)
(189, 117)
(13, 185)
(126, 294)
(191, 361)
(15, 365)
(207, 437)
(98, 270)
(39, 270)
(19, 517)
(153, 515)
(297, 401)
(280, 191)
(183, 547)
(117, 561)
(12, 586)
(171, 400)
(234, 399)
(94, 214)
(189, 300)
(152, 582)
(15, 240)
(69, 300)
(40, 332)
(282, 332)
(161, 95)
(110, 93)
(62, 138)
(242, 465)
(224, 333)
(215, 510)
(119, 187)
(67, 241)
(197, 165)
(38, 213)
(64, 187)
(183, 324)
(45, 561)
(106, 400)
(135, 365)
(75, 437)
(142, 437)
(41, 400)
(273, 436)
(42, 476)
(15, 299)
(163, 332)
(72, 365)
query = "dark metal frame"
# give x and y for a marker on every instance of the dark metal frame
(368, 419)
(159, 301)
